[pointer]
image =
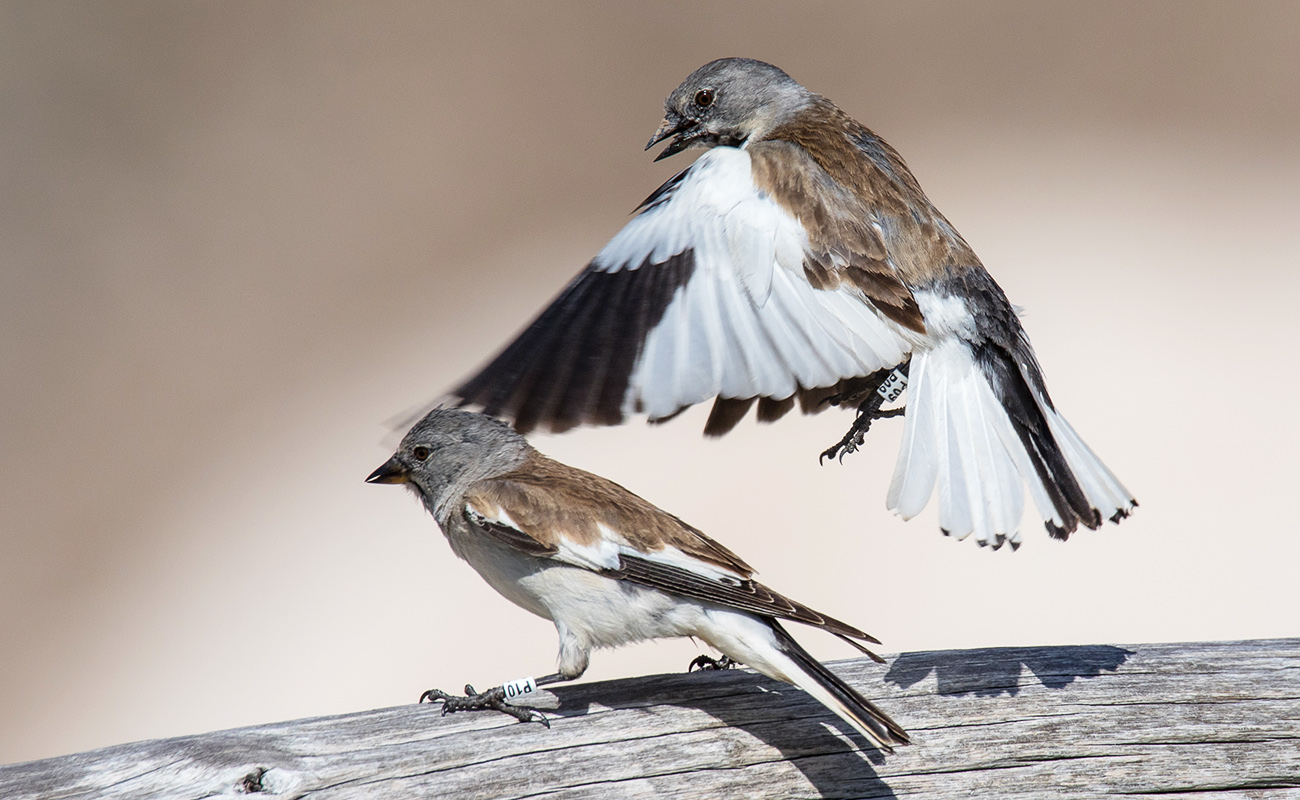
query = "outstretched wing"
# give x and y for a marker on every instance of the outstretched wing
(705, 293)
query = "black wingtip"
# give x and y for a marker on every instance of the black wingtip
(857, 646)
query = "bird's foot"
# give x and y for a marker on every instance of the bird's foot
(491, 700)
(702, 662)
(858, 431)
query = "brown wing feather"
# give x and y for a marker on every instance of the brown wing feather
(844, 246)
(845, 182)
(547, 499)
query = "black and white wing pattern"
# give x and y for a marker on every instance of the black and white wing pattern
(701, 295)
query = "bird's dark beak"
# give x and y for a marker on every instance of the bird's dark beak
(673, 125)
(392, 471)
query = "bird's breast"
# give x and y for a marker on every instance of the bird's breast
(505, 568)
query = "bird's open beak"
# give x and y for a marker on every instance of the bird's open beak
(673, 125)
(392, 471)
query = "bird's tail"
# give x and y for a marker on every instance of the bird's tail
(980, 425)
(814, 678)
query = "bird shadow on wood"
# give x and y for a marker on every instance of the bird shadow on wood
(834, 758)
(995, 671)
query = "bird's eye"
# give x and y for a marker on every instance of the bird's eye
(704, 98)
(421, 452)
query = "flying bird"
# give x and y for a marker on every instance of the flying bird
(607, 567)
(797, 259)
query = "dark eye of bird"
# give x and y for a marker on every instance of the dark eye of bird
(421, 453)
(704, 98)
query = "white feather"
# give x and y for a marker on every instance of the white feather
(751, 641)
(995, 494)
(747, 323)
(674, 557)
(1103, 490)
(954, 511)
(957, 435)
(917, 467)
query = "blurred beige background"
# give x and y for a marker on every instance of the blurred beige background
(238, 237)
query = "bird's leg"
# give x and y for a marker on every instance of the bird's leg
(881, 386)
(493, 699)
(703, 662)
(858, 431)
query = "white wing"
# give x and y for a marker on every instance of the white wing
(702, 294)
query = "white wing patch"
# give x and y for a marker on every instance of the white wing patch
(747, 323)
(606, 551)
(674, 557)
(601, 554)
(496, 515)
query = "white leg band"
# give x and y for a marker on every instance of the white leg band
(520, 687)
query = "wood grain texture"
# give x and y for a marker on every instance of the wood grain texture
(1218, 720)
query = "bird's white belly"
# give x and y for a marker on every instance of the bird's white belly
(604, 612)
(597, 610)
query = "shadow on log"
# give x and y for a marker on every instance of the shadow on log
(1217, 720)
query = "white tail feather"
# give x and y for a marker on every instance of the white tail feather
(1103, 490)
(994, 490)
(918, 465)
(958, 435)
(810, 684)
(755, 642)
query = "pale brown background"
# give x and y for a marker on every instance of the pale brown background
(236, 238)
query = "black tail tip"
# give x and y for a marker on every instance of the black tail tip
(1122, 514)
(1058, 532)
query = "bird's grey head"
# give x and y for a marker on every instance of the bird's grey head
(449, 450)
(728, 102)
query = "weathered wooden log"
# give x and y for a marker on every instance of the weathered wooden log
(1216, 720)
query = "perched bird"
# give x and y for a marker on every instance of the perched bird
(798, 258)
(605, 566)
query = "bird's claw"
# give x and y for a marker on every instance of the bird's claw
(856, 436)
(492, 700)
(703, 662)
(849, 444)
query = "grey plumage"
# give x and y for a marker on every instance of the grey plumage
(728, 102)
(458, 449)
